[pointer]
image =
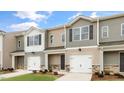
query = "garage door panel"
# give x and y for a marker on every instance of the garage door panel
(81, 63)
(34, 63)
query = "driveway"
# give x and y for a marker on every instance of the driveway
(13, 74)
(75, 77)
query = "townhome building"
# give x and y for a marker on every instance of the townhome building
(85, 45)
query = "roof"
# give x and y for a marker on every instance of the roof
(112, 16)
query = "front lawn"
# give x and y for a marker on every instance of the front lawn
(33, 77)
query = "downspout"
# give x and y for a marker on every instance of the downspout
(97, 31)
(65, 36)
(100, 49)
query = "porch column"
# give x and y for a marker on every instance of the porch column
(46, 61)
(101, 60)
(13, 61)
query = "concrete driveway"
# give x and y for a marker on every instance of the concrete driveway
(13, 74)
(75, 77)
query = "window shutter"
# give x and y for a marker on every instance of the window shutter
(27, 41)
(40, 39)
(70, 35)
(91, 32)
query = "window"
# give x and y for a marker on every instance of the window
(19, 43)
(34, 40)
(104, 31)
(63, 37)
(76, 33)
(85, 33)
(51, 39)
(122, 29)
(30, 40)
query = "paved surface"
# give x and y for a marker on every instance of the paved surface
(75, 77)
(13, 74)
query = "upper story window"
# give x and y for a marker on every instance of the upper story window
(63, 37)
(81, 33)
(76, 33)
(85, 33)
(51, 39)
(104, 31)
(19, 43)
(122, 29)
(34, 40)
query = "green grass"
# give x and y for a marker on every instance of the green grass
(32, 77)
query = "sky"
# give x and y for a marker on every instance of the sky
(22, 20)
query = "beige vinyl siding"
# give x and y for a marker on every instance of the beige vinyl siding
(57, 33)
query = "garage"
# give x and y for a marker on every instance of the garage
(34, 63)
(81, 63)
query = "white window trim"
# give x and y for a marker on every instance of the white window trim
(107, 31)
(121, 29)
(88, 32)
(33, 40)
(80, 33)
(50, 39)
(73, 34)
(18, 43)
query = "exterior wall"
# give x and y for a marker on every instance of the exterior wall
(111, 62)
(36, 48)
(20, 38)
(114, 29)
(9, 45)
(57, 37)
(81, 43)
(41, 54)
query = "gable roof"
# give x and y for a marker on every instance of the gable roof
(34, 28)
(81, 17)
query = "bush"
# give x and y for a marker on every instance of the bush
(55, 73)
(34, 71)
(10, 69)
(101, 74)
(45, 71)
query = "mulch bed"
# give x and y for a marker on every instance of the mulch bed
(107, 78)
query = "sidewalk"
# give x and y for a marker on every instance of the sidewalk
(13, 74)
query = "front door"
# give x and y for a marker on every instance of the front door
(122, 62)
(62, 62)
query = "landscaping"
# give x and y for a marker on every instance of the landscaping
(116, 77)
(34, 77)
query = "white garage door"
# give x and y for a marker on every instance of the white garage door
(81, 63)
(34, 63)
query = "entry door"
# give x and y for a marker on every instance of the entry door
(81, 63)
(122, 62)
(62, 62)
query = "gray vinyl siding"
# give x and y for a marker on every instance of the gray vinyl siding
(21, 38)
(81, 43)
(114, 29)
(41, 54)
(111, 58)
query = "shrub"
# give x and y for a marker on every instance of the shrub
(34, 71)
(55, 73)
